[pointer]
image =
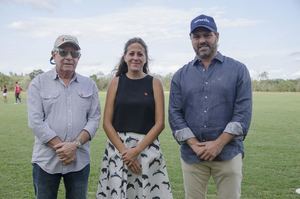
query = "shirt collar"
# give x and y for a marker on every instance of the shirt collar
(54, 76)
(219, 57)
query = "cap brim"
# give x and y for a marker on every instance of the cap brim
(68, 42)
(203, 26)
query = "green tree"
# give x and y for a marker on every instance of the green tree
(35, 73)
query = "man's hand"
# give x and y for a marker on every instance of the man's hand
(210, 150)
(214, 148)
(66, 152)
(198, 148)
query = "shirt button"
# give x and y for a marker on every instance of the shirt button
(205, 97)
(204, 126)
(203, 70)
(204, 111)
(206, 83)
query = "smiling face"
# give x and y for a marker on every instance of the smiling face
(205, 43)
(135, 57)
(65, 65)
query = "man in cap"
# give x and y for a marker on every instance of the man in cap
(64, 114)
(210, 110)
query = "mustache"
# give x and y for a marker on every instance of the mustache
(203, 45)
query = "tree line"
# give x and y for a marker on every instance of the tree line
(102, 80)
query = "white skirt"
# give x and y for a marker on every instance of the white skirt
(116, 181)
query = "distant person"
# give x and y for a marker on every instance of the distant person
(18, 90)
(133, 165)
(210, 110)
(4, 94)
(64, 114)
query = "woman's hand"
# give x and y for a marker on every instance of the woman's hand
(129, 157)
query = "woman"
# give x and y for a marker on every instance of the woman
(4, 94)
(133, 165)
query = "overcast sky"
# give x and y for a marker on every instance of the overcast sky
(263, 34)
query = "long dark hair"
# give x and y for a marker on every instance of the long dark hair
(122, 67)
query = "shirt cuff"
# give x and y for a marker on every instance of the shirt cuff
(183, 134)
(91, 129)
(234, 128)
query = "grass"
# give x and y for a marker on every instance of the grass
(271, 164)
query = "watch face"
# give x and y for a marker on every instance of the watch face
(78, 143)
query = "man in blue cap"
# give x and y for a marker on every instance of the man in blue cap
(210, 110)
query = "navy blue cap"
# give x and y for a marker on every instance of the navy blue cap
(205, 22)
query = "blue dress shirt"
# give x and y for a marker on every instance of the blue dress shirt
(204, 103)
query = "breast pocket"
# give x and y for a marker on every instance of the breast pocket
(84, 99)
(49, 100)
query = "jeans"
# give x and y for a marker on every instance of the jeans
(46, 185)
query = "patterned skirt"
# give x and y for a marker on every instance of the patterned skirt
(116, 181)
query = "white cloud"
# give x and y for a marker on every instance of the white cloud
(49, 5)
(165, 30)
(149, 21)
(239, 22)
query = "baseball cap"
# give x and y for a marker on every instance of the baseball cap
(63, 39)
(205, 22)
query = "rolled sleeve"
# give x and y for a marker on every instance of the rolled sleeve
(243, 105)
(93, 115)
(234, 128)
(183, 134)
(36, 114)
(178, 124)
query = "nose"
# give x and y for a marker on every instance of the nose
(135, 57)
(201, 40)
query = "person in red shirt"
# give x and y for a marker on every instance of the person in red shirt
(18, 90)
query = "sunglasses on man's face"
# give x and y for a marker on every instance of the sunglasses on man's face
(64, 53)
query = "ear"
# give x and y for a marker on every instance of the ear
(217, 35)
(52, 53)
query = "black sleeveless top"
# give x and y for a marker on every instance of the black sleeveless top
(134, 108)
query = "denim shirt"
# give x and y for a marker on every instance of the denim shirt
(64, 111)
(204, 103)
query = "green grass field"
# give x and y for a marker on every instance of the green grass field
(271, 164)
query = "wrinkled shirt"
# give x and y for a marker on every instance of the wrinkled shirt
(204, 103)
(64, 111)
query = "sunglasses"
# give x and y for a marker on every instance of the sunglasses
(64, 53)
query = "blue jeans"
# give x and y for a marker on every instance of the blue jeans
(46, 185)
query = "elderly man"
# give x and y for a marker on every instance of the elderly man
(64, 114)
(209, 113)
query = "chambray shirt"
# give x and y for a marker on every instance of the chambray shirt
(204, 103)
(64, 111)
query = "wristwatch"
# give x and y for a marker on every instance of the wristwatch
(78, 143)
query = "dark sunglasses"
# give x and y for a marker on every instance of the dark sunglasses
(64, 53)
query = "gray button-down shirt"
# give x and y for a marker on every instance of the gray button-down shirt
(64, 111)
(204, 103)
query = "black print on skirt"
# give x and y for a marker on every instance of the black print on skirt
(116, 181)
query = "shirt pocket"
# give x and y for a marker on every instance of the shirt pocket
(49, 100)
(84, 99)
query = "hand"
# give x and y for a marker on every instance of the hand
(129, 157)
(66, 152)
(198, 148)
(210, 150)
(130, 154)
(135, 167)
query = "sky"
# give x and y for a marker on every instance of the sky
(264, 35)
